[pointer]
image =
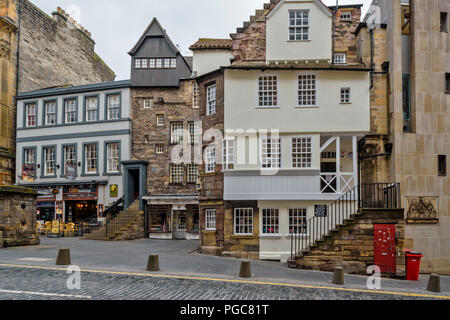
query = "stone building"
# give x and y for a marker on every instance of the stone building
(35, 50)
(410, 122)
(165, 135)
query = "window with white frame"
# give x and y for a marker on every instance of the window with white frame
(268, 91)
(152, 63)
(176, 130)
(166, 63)
(345, 95)
(113, 101)
(301, 152)
(49, 161)
(210, 218)
(113, 157)
(144, 63)
(176, 173)
(228, 154)
(346, 16)
(195, 95)
(211, 100)
(307, 90)
(210, 159)
(147, 104)
(137, 63)
(299, 25)
(270, 222)
(91, 108)
(159, 63)
(271, 152)
(173, 63)
(90, 158)
(194, 132)
(29, 157)
(340, 58)
(50, 113)
(70, 107)
(192, 173)
(159, 148)
(69, 155)
(243, 221)
(30, 114)
(160, 120)
(297, 221)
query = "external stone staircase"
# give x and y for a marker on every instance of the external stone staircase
(127, 225)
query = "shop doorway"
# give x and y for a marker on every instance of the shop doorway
(46, 211)
(77, 211)
(179, 225)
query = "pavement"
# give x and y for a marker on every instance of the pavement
(116, 270)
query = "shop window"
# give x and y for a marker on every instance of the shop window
(270, 222)
(243, 221)
(297, 221)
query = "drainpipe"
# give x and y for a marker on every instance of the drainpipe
(334, 32)
(372, 64)
(18, 46)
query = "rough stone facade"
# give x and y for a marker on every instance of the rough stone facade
(345, 36)
(351, 245)
(53, 51)
(18, 216)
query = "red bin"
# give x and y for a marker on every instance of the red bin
(412, 265)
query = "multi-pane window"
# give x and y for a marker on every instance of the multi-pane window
(346, 16)
(243, 221)
(159, 148)
(270, 221)
(90, 154)
(50, 113)
(340, 58)
(160, 120)
(228, 154)
(211, 100)
(113, 157)
(307, 90)
(194, 132)
(166, 63)
(152, 63)
(69, 155)
(176, 173)
(113, 103)
(91, 108)
(192, 173)
(297, 221)
(301, 152)
(345, 95)
(176, 129)
(137, 63)
(299, 25)
(144, 63)
(30, 109)
(173, 63)
(70, 107)
(268, 91)
(49, 161)
(210, 159)
(195, 95)
(270, 153)
(29, 157)
(147, 104)
(210, 218)
(159, 63)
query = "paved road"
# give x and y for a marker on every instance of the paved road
(176, 259)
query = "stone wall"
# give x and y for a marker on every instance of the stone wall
(345, 37)
(18, 216)
(175, 104)
(134, 231)
(352, 245)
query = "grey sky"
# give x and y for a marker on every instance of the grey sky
(116, 25)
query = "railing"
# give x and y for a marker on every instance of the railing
(366, 196)
(114, 209)
(115, 223)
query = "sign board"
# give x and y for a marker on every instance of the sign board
(28, 173)
(59, 208)
(55, 226)
(70, 171)
(320, 210)
(114, 191)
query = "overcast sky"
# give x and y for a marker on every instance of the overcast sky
(116, 25)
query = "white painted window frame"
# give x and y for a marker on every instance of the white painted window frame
(269, 161)
(316, 90)
(346, 95)
(176, 174)
(147, 103)
(210, 159)
(302, 26)
(49, 161)
(192, 173)
(176, 132)
(31, 115)
(229, 153)
(340, 58)
(266, 221)
(210, 219)
(50, 115)
(158, 118)
(211, 99)
(88, 157)
(259, 92)
(247, 221)
(346, 18)
(291, 140)
(302, 216)
(112, 157)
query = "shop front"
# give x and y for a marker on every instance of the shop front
(46, 204)
(80, 202)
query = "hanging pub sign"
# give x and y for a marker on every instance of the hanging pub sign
(70, 171)
(28, 173)
(114, 191)
(320, 211)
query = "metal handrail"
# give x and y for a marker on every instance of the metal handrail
(364, 196)
(114, 223)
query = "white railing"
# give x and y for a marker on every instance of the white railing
(339, 183)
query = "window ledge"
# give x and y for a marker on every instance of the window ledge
(345, 102)
(307, 107)
(268, 108)
(243, 236)
(270, 236)
(299, 40)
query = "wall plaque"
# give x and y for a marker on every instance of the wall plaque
(422, 210)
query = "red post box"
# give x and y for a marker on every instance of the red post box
(412, 265)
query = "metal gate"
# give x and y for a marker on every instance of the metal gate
(179, 225)
(384, 251)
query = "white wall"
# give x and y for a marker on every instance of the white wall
(241, 100)
(209, 60)
(279, 47)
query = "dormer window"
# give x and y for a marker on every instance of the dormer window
(346, 16)
(299, 25)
